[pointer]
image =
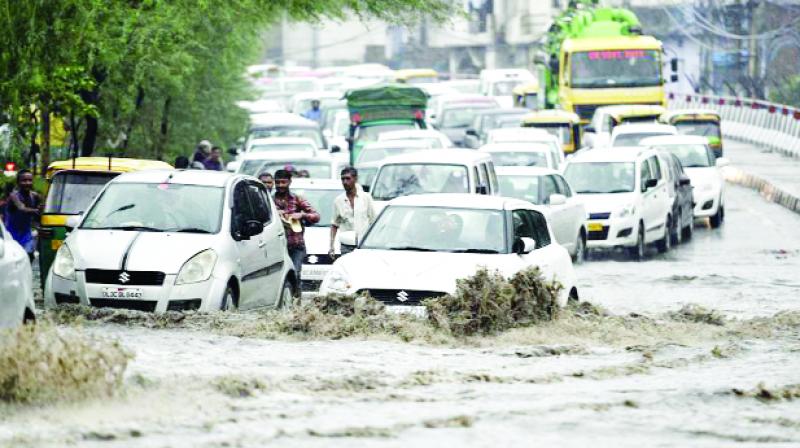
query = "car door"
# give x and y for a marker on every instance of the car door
(649, 204)
(12, 261)
(659, 169)
(574, 211)
(252, 262)
(274, 242)
(549, 187)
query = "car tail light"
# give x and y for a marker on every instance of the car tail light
(11, 166)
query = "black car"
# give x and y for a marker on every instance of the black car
(683, 204)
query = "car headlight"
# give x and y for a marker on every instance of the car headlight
(198, 268)
(628, 210)
(64, 264)
(336, 281)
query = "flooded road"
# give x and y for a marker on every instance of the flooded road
(654, 377)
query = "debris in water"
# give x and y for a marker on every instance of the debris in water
(698, 314)
(460, 421)
(238, 387)
(761, 392)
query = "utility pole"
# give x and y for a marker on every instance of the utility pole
(753, 71)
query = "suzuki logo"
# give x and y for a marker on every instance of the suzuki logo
(124, 277)
(402, 296)
(313, 259)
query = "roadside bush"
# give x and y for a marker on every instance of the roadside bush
(42, 363)
(488, 303)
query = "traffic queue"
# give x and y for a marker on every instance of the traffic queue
(364, 181)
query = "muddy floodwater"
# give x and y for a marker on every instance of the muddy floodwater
(646, 376)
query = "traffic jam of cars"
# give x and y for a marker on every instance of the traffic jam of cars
(397, 187)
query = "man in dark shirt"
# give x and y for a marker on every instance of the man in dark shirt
(214, 160)
(295, 212)
(23, 207)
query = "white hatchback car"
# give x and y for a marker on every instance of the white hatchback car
(548, 188)
(527, 135)
(421, 245)
(702, 167)
(176, 240)
(16, 283)
(521, 154)
(633, 134)
(625, 194)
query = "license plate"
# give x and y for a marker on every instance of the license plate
(313, 273)
(122, 293)
(595, 227)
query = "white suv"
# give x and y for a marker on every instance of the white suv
(626, 197)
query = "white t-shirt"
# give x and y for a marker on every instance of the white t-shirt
(357, 218)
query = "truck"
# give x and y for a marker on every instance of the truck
(382, 108)
(597, 56)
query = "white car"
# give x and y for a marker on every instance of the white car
(278, 145)
(380, 150)
(453, 114)
(626, 198)
(439, 171)
(597, 134)
(436, 138)
(421, 245)
(633, 134)
(527, 135)
(176, 240)
(321, 193)
(252, 162)
(702, 167)
(16, 283)
(521, 154)
(546, 187)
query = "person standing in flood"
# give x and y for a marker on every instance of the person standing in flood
(22, 209)
(295, 213)
(353, 210)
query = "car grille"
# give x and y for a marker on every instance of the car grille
(138, 305)
(586, 111)
(184, 305)
(310, 285)
(134, 278)
(393, 296)
(318, 259)
(598, 234)
(599, 215)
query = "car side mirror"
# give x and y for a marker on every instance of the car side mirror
(673, 64)
(482, 189)
(233, 151)
(589, 129)
(673, 78)
(348, 238)
(335, 149)
(684, 180)
(524, 245)
(365, 188)
(650, 183)
(557, 199)
(73, 221)
(471, 132)
(723, 162)
(251, 228)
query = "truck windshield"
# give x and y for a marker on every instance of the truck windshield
(616, 68)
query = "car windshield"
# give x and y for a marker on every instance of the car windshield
(459, 115)
(396, 180)
(601, 177)
(321, 201)
(71, 192)
(371, 133)
(633, 139)
(495, 121)
(439, 229)
(691, 156)
(282, 147)
(161, 207)
(560, 131)
(376, 154)
(519, 187)
(288, 131)
(699, 128)
(365, 175)
(616, 68)
(503, 88)
(519, 158)
(316, 170)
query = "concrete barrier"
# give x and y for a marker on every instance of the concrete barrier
(768, 190)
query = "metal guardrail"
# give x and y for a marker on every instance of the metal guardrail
(761, 123)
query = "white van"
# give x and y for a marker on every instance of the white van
(500, 83)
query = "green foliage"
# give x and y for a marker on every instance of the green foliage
(787, 93)
(488, 303)
(164, 74)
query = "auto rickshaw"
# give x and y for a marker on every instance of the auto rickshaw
(416, 75)
(564, 125)
(527, 96)
(699, 122)
(72, 185)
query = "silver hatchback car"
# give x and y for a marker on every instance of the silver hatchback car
(176, 240)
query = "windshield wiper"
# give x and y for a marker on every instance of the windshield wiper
(122, 209)
(415, 248)
(130, 228)
(189, 230)
(619, 191)
(476, 251)
(696, 166)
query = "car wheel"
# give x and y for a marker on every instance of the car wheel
(688, 231)
(637, 252)
(229, 300)
(718, 217)
(287, 298)
(580, 250)
(664, 244)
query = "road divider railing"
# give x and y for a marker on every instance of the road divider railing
(761, 123)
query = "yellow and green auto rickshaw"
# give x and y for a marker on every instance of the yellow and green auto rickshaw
(564, 125)
(72, 185)
(699, 122)
(416, 75)
(527, 96)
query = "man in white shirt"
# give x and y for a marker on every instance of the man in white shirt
(353, 210)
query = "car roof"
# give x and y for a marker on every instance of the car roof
(524, 171)
(272, 119)
(187, 177)
(529, 134)
(317, 184)
(668, 115)
(421, 144)
(618, 154)
(459, 200)
(282, 141)
(675, 140)
(636, 128)
(442, 156)
(516, 147)
(278, 155)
